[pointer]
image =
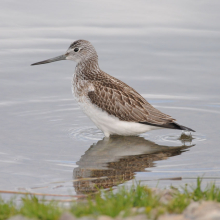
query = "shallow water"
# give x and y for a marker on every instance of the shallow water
(169, 52)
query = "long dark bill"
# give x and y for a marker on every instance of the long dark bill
(62, 57)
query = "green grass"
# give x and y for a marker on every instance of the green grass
(112, 204)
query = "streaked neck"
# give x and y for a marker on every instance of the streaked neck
(88, 66)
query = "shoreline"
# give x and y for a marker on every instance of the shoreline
(139, 202)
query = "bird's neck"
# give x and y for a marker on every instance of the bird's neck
(87, 68)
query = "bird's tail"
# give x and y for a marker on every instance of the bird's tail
(171, 125)
(181, 127)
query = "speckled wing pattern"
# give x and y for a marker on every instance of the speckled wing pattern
(122, 101)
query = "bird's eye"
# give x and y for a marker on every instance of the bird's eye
(76, 49)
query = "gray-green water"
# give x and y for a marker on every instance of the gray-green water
(169, 51)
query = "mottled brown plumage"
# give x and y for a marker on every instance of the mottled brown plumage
(123, 102)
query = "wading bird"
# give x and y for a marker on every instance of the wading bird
(114, 107)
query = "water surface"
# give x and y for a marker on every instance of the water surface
(169, 52)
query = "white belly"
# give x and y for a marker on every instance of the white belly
(110, 125)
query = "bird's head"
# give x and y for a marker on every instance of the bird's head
(79, 51)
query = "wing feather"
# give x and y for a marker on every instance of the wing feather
(123, 102)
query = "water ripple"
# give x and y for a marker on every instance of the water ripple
(184, 138)
(93, 133)
(85, 133)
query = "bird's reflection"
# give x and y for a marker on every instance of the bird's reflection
(114, 160)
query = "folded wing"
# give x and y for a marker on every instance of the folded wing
(125, 103)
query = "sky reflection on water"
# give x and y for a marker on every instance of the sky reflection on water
(168, 51)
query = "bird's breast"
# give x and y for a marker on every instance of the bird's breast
(81, 87)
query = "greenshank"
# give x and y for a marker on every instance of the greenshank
(114, 107)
